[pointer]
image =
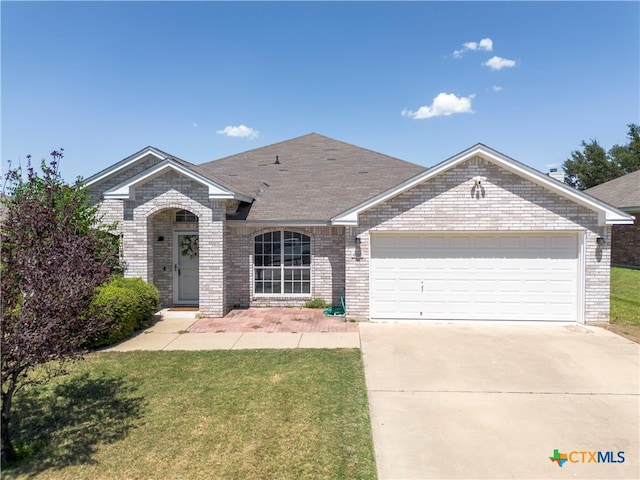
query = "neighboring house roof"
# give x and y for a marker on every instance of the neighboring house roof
(622, 192)
(607, 214)
(314, 178)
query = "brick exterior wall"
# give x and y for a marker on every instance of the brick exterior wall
(226, 252)
(625, 243)
(152, 214)
(506, 203)
(448, 203)
(327, 267)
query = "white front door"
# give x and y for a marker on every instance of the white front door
(185, 268)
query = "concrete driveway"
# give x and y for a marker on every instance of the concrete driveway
(495, 401)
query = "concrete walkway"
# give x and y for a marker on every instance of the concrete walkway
(180, 330)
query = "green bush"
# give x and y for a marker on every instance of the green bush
(316, 303)
(147, 299)
(126, 305)
(116, 305)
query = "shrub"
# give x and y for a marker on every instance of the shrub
(147, 299)
(316, 303)
(126, 305)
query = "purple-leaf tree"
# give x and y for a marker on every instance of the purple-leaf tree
(54, 254)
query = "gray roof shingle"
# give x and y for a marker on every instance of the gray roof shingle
(314, 179)
(622, 192)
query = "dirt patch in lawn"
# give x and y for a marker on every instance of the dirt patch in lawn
(632, 332)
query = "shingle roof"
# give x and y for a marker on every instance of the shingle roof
(314, 179)
(622, 192)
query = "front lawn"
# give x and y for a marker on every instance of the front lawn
(246, 414)
(625, 302)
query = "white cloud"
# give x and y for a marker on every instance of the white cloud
(239, 131)
(485, 44)
(444, 104)
(496, 88)
(194, 124)
(498, 63)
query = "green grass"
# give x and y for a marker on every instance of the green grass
(252, 414)
(625, 296)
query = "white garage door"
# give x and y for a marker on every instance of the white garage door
(475, 277)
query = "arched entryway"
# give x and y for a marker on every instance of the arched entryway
(151, 242)
(175, 255)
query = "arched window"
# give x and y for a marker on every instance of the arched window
(282, 263)
(185, 216)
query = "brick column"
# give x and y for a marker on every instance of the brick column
(357, 258)
(134, 247)
(212, 291)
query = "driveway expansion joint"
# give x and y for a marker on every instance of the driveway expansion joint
(507, 392)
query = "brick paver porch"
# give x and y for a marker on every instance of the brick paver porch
(271, 320)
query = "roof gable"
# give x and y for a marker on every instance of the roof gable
(126, 191)
(130, 161)
(607, 214)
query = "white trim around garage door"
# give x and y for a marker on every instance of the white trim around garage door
(469, 276)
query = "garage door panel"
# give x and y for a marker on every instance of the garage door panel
(567, 243)
(433, 243)
(393, 309)
(485, 242)
(510, 242)
(456, 243)
(475, 276)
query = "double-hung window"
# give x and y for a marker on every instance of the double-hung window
(282, 263)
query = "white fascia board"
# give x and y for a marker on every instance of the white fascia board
(350, 217)
(347, 220)
(610, 215)
(216, 192)
(278, 223)
(618, 221)
(116, 168)
(607, 215)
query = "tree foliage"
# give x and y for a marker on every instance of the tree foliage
(53, 257)
(593, 165)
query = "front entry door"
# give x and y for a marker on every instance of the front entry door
(185, 268)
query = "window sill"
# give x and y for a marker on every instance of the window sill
(283, 296)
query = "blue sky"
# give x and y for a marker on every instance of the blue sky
(420, 81)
